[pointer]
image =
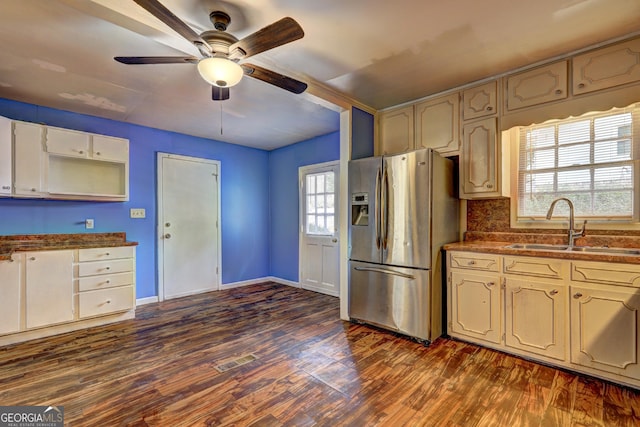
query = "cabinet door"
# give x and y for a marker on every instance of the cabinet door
(536, 317)
(5, 156)
(479, 159)
(475, 306)
(604, 329)
(480, 101)
(110, 148)
(49, 287)
(10, 295)
(607, 67)
(438, 124)
(28, 160)
(67, 142)
(396, 131)
(544, 84)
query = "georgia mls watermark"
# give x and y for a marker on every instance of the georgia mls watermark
(31, 416)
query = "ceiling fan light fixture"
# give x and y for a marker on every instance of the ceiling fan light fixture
(220, 72)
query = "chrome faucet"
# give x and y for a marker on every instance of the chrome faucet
(573, 234)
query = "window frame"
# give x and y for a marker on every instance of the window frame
(513, 138)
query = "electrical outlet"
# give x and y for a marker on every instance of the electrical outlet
(138, 213)
(88, 224)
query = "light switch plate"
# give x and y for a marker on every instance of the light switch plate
(138, 213)
(88, 224)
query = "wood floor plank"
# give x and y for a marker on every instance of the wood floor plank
(310, 369)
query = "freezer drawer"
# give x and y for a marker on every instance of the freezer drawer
(394, 298)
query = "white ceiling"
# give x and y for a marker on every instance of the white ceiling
(379, 53)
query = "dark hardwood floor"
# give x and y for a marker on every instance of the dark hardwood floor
(290, 361)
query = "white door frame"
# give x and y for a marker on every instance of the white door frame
(160, 220)
(302, 171)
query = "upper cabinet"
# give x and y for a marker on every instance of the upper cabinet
(606, 67)
(40, 161)
(537, 86)
(480, 101)
(5, 157)
(438, 124)
(396, 130)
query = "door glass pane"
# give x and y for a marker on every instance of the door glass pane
(320, 206)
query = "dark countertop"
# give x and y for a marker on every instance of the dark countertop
(47, 242)
(502, 249)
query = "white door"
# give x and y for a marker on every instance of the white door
(189, 238)
(319, 248)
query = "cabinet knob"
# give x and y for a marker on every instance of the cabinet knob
(6, 187)
(108, 301)
(33, 189)
(489, 108)
(107, 254)
(167, 236)
(32, 258)
(108, 268)
(80, 152)
(97, 153)
(491, 283)
(553, 292)
(108, 281)
(581, 86)
(577, 295)
(558, 92)
(489, 185)
(472, 262)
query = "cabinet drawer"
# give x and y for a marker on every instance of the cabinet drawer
(539, 267)
(600, 272)
(104, 281)
(105, 301)
(474, 261)
(101, 254)
(104, 267)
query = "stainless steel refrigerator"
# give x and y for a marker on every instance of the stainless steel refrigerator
(403, 208)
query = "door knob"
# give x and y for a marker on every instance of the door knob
(167, 236)
(334, 240)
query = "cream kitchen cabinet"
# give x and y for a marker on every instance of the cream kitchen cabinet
(5, 157)
(480, 101)
(437, 124)
(535, 316)
(580, 315)
(106, 278)
(29, 166)
(48, 288)
(475, 306)
(606, 67)
(396, 130)
(538, 86)
(483, 161)
(67, 142)
(10, 294)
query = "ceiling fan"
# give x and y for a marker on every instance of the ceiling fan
(221, 51)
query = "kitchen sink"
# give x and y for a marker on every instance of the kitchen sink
(566, 248)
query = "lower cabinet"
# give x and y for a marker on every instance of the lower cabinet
(580, 315)
(10, 294)
(604, 329)
(49, 288)
(535, 313)
(475, 306)
(44, 293)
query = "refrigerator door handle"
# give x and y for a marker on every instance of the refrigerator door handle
(386, 271)
(385, 208)
(376, 208)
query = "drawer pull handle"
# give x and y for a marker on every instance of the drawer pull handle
(581, 86)
(558, 92)
(108, 281)
(80, 152)
(108, 301)
(472, 262)
(108, 268)
(107, 254)
(577, 295)
(32, 258)
(489, 108)
(97, 153)
(553, 292)
(491, 283)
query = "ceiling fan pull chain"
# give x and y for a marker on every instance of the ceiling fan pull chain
(221, 118)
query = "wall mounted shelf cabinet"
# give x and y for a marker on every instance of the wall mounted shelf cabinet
(54, 163)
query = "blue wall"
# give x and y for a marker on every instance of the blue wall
(283, 188)
(244, 192)
(362, 128)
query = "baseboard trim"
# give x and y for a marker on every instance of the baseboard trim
(146, 300)
(259, 280)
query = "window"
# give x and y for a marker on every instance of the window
(589, 160)
(320, 203)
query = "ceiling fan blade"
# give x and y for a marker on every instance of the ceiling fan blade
(158, 10)
(280, 32)
(137, 60)
(276, 79)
